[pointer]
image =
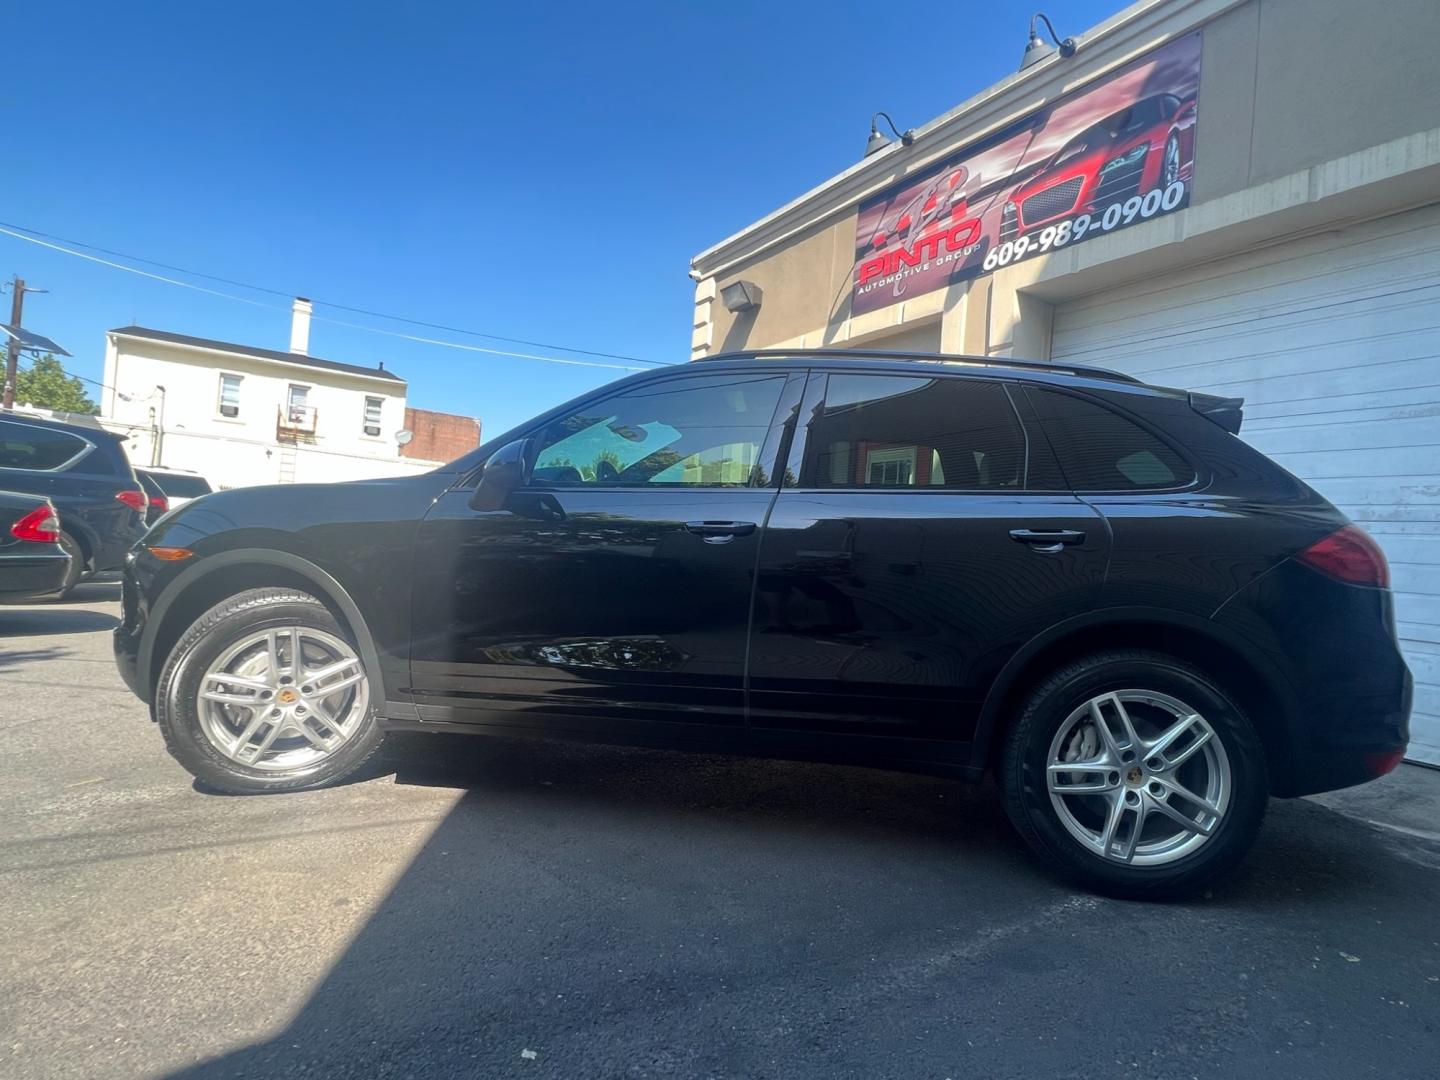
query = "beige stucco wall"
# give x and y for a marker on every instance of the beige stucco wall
(1287, 84)
(1309, 111)
(806, 284)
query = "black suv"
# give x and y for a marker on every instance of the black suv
(84, 472)
(1085, 585)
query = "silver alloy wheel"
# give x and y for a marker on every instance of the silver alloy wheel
(1138, 777)
(283, 698)
(1170, 167)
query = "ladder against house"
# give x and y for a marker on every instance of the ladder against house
(288, 455)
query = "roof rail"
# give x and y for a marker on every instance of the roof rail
(952, 358)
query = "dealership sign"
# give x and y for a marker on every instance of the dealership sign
(1116, 153)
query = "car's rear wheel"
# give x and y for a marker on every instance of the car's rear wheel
(267, 692)
(1136, 775)
(74, 570)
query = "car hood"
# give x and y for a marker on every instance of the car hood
(273, 514)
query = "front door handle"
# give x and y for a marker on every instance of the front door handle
(720, 532)
(1048, 541)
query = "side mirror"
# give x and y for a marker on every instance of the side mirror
(503, 475)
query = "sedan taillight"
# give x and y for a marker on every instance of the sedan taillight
(39, 526)
(160, 503)
(134, 499)
(1349, 555)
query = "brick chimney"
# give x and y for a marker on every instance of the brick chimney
(300, 326)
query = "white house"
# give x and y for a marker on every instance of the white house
(242, 415)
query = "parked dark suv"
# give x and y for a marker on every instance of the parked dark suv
(1085, 585)
(84, 472)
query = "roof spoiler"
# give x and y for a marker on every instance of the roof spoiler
(1228, 412)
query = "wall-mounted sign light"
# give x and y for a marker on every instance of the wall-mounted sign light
(741, 296)
(1037, 50)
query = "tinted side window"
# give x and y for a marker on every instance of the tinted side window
(186, 487)
(912, 431)
(1100, 450)
(25, 447)
(703, 432)
(109, 459)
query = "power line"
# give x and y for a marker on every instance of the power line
(21, 229)
(35, 236)
(72, 375)
(148, 262)
(331, 304)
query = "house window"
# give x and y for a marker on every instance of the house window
(230, 395)
(299, 400)
(890, 468)
(372, 415)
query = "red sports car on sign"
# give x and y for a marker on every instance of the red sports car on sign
(1148, 145)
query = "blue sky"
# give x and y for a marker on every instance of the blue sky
(540, 171)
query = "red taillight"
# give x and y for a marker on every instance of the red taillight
(1349, 555)
(133, 499)
(159, 502)
(38, 525)
(1378, 764)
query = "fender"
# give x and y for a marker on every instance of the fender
(326, 587)
(1005, 680)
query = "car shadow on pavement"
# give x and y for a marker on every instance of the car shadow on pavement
(39, 621)
(20, 657)
(594, 911)
(101, 591)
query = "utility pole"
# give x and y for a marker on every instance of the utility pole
(12, 355)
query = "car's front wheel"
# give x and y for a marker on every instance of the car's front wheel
(1136, 774)
(267, 692)
(1170, 164)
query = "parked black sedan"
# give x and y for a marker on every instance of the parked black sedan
(1084, 585)
(32, 562)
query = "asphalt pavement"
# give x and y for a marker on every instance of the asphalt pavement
(487, 908)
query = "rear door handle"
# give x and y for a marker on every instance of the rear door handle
(720, 532)
(1048, 540)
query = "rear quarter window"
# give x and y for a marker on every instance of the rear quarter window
(1101, 450)
(109, 460)
(36, 449)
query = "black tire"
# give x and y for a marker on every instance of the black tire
(1027, 797)
(175, 695)
(1167, 180)
(77, 565)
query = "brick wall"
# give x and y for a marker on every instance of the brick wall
(439, 436)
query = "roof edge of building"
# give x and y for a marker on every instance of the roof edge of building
(255, 352)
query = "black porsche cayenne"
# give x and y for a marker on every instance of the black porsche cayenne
(1089, 587)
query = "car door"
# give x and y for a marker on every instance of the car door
(922, 535)
(613, 591)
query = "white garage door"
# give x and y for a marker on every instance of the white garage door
(1334, 342)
